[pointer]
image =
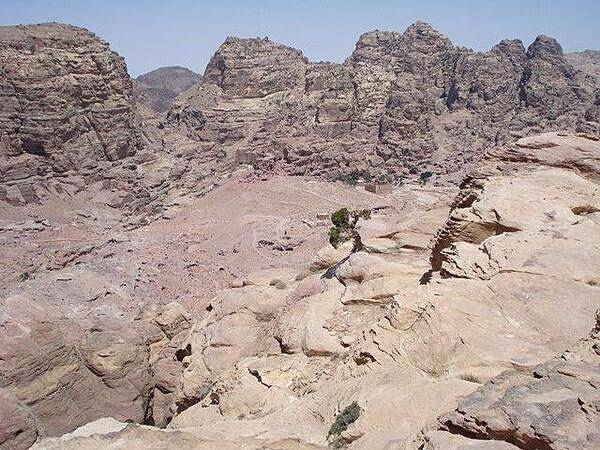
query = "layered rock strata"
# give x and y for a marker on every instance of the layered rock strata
(276, 361)
(67, 110)
(400, 105)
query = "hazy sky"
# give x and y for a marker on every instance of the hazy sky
(151, 33)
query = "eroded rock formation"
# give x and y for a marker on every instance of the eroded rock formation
(74, 349)
(66, 111)
(553, 406)
(280, 357)
(445, 297)
(400, 104)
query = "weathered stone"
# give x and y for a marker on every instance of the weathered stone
(66, 102)
(401, 104)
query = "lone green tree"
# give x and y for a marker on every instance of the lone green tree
(344, 227)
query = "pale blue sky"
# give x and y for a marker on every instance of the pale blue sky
(150, 33)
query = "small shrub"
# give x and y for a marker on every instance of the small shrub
(348, 179)
(340, 217)
(24, 276)
(335, 237)
(344, 223)
(425, 176)
(344, 419)
(583, 210)
(278, 284)
(470, 377)
(593, 282)
(351, 178)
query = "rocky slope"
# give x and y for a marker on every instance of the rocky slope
(276, 362)
(587, 61)
(159, 87)
(552, 406)
(401, 104)
(87, 312)
(70, 124)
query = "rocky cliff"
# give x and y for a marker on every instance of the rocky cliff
(67, 109)
(399, 105)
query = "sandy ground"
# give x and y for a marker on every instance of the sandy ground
(209, 243)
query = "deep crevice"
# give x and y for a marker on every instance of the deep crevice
(523, 442)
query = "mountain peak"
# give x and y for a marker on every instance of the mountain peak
(422, 27)
(544, 45)
(423, 36)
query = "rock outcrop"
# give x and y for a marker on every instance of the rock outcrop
(587, 61)
(401, 104)
(553, 406)
(75, 349)
(67, 110)
(281, 357)
(70, 123)
(159, 87)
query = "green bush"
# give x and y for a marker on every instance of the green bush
(351, 178)
(335, 236)
(341, 217)
(344, 223)
(425, 176)
(344, 419)
(470, 377)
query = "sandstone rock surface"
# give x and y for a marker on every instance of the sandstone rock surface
(74, 350)
(553, 406)
(400, 105)
(67, 107)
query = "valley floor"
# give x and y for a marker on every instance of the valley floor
(200, 245)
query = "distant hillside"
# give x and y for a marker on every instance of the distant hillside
(159, 87)
(587, 61)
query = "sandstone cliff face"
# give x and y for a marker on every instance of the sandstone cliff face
(66, 107)
(159, 87)
(267, 68)
(69, 124)
(401, 103)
